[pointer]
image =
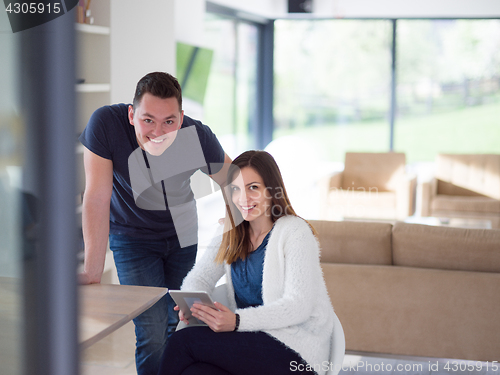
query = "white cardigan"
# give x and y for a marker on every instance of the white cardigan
(296, 310)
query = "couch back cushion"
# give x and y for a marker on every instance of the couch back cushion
(416, 311)
(369, 171)
(468, 175)
(354, 242)
(428, 246)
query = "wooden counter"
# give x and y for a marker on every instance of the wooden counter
(106, 307)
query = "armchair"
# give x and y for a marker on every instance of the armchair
(372, 185)
(464, 186)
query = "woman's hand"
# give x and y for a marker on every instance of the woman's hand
(181, 314)
(222, 320)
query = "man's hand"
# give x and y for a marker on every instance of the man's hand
(95, 215)
(84, 278)
(222, 320)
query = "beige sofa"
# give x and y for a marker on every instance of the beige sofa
(417, 290)
(464, 186)
(372, 185)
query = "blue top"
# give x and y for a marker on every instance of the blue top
(247, 277)
(110, 135)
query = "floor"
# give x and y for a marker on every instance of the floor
(114, 355)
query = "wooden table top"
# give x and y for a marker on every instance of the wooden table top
(106, 307)
(103, 308)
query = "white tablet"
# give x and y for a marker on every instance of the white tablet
(185, 301)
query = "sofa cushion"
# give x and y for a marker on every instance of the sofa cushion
(479, 173)
(373, 170)
(427, 246)
(446, 188)
(362, 204)
(416, 311)
(354, 242)
(463, 203)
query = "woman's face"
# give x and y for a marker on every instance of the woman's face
(250, 196)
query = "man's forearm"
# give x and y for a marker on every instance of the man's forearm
(95, 225)
(221, 176)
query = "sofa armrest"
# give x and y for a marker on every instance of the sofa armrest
(405, 196)
(325, 185)
(428, 190)
(335, 180)
(329, 182)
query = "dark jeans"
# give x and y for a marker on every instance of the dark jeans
(199, 350)
(161, 263)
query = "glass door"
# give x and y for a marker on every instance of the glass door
(38, 295)
(14, 215)
(230, 101)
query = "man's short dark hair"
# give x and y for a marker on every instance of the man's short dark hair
(160, 84)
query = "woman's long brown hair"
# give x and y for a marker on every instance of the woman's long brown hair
(236, 238)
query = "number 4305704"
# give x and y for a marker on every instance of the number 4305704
(33, 8)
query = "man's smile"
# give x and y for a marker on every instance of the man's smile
(159, 139)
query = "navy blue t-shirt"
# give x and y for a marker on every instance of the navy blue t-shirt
(110, 135)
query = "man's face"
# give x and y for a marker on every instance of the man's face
(156, 122)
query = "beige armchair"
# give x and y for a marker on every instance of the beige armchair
(464, 186)
(372, 185)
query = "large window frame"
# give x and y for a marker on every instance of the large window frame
(261, 120)
(393, 105)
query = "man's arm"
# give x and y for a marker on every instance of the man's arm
(221, 176)
(95, 214)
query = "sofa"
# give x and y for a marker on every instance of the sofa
(371, 186)
(464, 186)
(414, 290)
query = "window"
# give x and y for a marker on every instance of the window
(332, 84)
(229, 106)
(448, 87)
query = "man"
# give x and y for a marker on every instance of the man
(138, 161)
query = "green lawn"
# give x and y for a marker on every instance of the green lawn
(469, 130)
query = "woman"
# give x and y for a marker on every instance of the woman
(282, 320)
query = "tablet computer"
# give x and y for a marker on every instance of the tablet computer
(185, 301)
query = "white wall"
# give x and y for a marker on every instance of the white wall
(189, 21)
(142, 41)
